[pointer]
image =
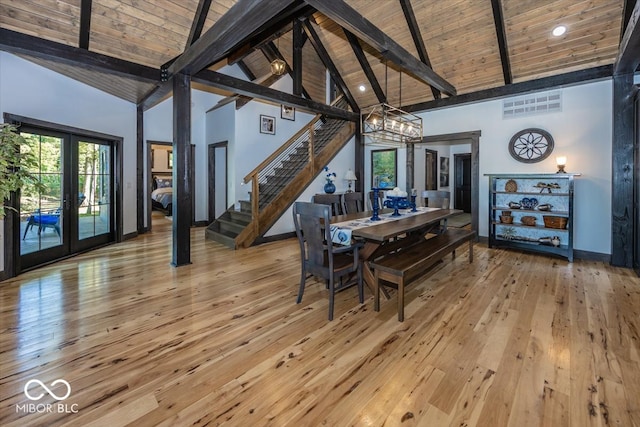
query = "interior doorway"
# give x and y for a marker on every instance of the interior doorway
(430, 169)
(473, 139)
(217, 180)
(462, 186)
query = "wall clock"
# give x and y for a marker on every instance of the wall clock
(531, 145)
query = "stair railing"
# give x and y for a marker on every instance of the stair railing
(296, 144)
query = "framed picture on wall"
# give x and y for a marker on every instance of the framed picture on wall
(169, 159)
(267, 124)
(444, 171)
(287, 113)
(384, 168)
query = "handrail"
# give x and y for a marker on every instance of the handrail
(309, 126)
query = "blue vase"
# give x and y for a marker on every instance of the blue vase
(329, 188)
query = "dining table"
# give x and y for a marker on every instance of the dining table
(391, 232)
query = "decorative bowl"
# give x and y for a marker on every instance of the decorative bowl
(529, 203)
(528, 220)
(515, 205)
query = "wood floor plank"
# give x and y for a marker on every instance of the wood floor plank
(510, 339)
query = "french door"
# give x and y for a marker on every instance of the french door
(75, 211)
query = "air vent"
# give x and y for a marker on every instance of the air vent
(528, 105)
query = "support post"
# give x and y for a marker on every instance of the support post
(182, 165)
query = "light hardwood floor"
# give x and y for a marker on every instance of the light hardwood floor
(511, 340)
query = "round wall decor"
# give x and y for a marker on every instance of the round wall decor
(531, 145)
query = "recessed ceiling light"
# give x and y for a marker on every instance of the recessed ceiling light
(362, 88)
(559, 30)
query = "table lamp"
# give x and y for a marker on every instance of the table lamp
(561, 162)
(350, 176)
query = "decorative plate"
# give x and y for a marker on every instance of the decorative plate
(531, 145)
(511, 186)
(529, 203)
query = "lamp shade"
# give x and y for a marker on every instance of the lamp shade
(350, 176)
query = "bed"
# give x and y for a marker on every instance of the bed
(162, 194)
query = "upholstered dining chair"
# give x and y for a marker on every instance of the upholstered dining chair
(353, 202)
(437, 199)
(320, 257)
(333, 200)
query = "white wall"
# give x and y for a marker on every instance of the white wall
(158, 126)
(582, 132)
(29, 90)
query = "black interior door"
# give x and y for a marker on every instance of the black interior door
(636, 222)
(463, 182)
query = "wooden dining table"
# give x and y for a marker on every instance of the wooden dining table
(387, 235)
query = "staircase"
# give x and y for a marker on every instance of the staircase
(278, 181)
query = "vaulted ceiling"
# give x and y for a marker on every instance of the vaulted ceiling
(416, 53)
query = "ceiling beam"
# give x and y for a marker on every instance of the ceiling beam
(233, 28)
(545, 83)
(198, 21)
(498, 20)
(627, 10)
(416, 35)
(349, 18)
(85, 24)
(243, 87)
(629, 53)
(328, 63)
(366, 67)
(299, 38)
(246, 70)
(14, 42)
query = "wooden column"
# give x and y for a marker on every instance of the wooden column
(622, 171)
(140, 183)
(182, 164)
(411, 154)
(298, 42)
(359, 159)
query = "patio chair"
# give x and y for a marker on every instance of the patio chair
(319, 257)
(43, 221)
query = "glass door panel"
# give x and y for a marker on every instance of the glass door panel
(94, 190)
(41, 213)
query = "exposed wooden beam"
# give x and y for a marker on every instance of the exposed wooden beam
(349, 18)
(567, 79)
(498, 20)
(622, 167)
(298, 41)
(366, 67)
(629, 53)
(198, 21)
(416, 35)
(246, 70)
(230, 31)
(85, 24)
(243, 87)
(626, 15)
(14, 42)
(182, 166)
(328, 63)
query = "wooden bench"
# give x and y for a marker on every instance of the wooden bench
(401, 267)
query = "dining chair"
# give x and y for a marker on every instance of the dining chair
(353, 202)
(333, 200)
(319, 257)
(436, 199)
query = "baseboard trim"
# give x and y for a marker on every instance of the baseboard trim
(129, 236)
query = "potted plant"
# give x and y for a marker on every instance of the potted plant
(17, 161)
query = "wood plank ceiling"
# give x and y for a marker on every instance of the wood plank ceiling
(461, 39)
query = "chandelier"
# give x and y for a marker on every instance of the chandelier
(385, 124)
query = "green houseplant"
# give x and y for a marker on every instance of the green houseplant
(17, 161)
